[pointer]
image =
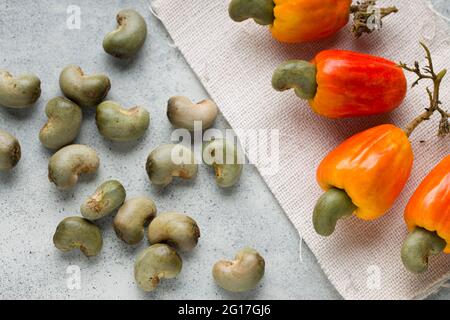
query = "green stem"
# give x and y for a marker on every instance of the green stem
(428, 73)
(418, 247)
(259, 10)
(332, 206)
(298, 75)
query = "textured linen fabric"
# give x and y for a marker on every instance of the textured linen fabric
(235, 61)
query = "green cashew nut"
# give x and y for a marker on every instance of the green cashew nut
(418, 247)
(182, 113)
(10, 152)
(168, 161)
(19, 92)
(63, 125)
(175, 229)
(119, 124)
(157, 262)
(224, 158)
(84, 90)
(241, 274)
(107, 197)
(298, 75)
(331, 206)
(68, 163)
(129, 36)
(78, 233)
(132, 217)
(259, 10)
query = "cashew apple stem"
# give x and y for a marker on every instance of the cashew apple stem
(364, 12)
(429, 73)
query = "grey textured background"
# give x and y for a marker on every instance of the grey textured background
(35, 38)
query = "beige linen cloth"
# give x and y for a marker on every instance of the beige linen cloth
(235, 61)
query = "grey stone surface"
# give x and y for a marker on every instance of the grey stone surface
(35, 38)
(442, 6)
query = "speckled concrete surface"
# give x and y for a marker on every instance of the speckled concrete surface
(443, 7)
(35, 38)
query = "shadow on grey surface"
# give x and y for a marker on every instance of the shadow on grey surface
(19, 114)
(123, 65)
(125, 147)
(9, 177)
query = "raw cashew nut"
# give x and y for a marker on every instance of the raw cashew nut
(175, 229)
(241, 274)
(333, 205)
(298, 75)
(69, 162)
(19, 92)
(155, 263)
(108, 197)
(63, 125)
(132, 217)
(182, 113)
(9, 151)
(129, 36)
(86, 91)
(261, 11)
(418, 247)
(170, 160)
(78, 233)
(224, 158)
(118, 124)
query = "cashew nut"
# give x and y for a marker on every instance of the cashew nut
(9, 151)
(19, 92)
(129, 36)
(418, 247)
(175, 229)
(298, 75)
(261, 11)
(108, 197)
(131, 218)
(182, 113)
(333, 205)
(69, 162)
(78, 233)
(241, 274)
(170, 160)
(155, 263)
(86, 91)
(224, 158)
(63, 125)
(120, 124)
